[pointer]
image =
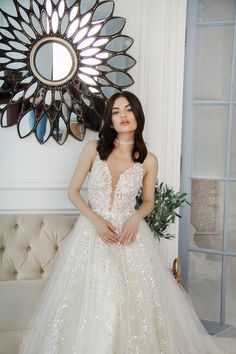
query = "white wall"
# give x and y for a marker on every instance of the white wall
(34, 178)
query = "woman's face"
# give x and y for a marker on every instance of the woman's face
(123, 118)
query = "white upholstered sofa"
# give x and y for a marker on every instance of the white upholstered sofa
(28, 248)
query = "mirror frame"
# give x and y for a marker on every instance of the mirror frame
(85, 99)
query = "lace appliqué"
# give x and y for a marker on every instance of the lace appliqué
(100, 192)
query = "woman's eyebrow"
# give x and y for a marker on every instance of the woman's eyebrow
(125, 106)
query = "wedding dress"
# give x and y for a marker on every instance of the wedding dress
(110, 299)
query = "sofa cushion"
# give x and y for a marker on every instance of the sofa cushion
(18, 300)
(29, 244)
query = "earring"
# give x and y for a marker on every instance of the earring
(111, 126)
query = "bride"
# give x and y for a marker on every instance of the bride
(110, 291)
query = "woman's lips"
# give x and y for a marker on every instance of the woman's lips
(125, 122)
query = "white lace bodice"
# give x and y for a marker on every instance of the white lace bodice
(100, 191)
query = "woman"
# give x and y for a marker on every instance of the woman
(121, 145)
(109, 292)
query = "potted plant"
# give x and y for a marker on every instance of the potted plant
(164, 211)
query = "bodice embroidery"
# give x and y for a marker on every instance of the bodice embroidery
(113, 189)
(100, 189)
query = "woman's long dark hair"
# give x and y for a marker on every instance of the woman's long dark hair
(107, 133)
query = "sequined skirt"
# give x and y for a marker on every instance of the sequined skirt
(109, 299)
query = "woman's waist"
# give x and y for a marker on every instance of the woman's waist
(116, 217)
(113, 213)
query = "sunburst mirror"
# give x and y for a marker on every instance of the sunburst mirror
(59, 63)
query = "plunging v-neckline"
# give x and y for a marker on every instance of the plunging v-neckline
(113, 187)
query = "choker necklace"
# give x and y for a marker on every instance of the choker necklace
(123, 142)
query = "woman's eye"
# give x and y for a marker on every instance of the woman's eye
(115, 113)
(129, 110)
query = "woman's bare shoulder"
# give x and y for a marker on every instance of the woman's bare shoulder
(90, 149)
(150, 162)
(92, 144)
(151, 159)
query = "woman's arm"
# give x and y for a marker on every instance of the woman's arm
(149, 181)
(104, 229)
(82, 169)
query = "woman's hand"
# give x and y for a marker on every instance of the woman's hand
(106, 231)
(129, 232)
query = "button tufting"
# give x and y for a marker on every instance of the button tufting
(42, 224)
(2, 249)
(41, 271)
(16, 226)
(56, 247)
(15, 273)
(28, 248)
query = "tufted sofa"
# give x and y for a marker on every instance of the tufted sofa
(29, 245)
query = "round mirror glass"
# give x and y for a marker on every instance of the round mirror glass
(51, 52)
(53, 61)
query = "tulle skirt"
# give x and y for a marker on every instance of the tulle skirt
(110, 299)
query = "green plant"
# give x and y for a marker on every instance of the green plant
(164, 211)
